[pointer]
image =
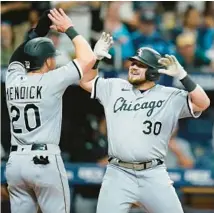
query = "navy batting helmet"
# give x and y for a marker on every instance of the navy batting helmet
(37, 51)
(149, 57)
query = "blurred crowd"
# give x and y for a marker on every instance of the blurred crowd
(184, 29)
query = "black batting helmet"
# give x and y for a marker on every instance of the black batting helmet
(37, 51)
(149, 57)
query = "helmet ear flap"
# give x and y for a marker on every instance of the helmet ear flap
(152, 74)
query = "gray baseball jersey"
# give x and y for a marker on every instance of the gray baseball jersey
(35, 102)
(140, 124)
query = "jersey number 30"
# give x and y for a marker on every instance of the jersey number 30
(152, 127)
(16, 118)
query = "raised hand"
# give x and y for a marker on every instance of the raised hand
(173, 67)
(103, 45)
(60, 21)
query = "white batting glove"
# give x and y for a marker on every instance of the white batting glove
(173, 67)
(103, 45)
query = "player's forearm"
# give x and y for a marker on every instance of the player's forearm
(199, 98)
(84, 54)
(85, 57)
(89, 76)
(83, 51)
(88, 79)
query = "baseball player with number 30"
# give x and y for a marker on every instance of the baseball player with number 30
(141, 116)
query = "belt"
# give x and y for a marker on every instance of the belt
(135, 166)
(41, 147)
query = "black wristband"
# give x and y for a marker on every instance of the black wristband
(96, 65)
(188, 83)
(71, 33)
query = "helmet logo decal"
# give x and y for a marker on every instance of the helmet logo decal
(140, 52)
(27, 64)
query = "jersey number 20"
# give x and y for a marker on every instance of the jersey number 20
(16, 118)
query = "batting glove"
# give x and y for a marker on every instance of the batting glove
(103, 45)
(173, 67)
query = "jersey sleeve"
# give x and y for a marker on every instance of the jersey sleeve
(15, 69)
(65, 76)
(182, 103)
(102, 89)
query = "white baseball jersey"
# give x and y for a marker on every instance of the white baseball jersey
(35, 102)
(140, 124)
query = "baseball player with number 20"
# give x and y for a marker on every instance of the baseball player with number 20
(35, 171)
(141, 116)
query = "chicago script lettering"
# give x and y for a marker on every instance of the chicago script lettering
(122, 104)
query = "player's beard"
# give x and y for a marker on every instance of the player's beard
(137, 82)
